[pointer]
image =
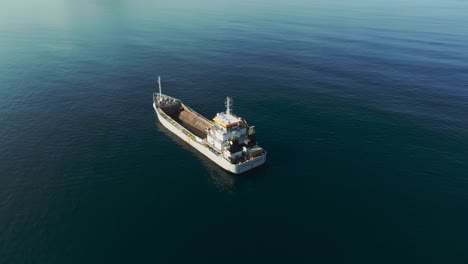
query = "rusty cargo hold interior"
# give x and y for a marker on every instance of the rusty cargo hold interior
(188, 119)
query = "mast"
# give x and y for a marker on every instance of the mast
(228, 105)
(159, 83)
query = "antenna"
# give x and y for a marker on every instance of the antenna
(159, 82)
(228, 105)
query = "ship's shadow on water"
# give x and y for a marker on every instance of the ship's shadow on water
(223, 180)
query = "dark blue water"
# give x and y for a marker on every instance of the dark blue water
(362, 106)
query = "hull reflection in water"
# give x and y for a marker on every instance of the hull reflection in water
(223, 180)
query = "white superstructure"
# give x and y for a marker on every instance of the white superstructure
(227, 140)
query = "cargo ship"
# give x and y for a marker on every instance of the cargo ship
(227, 139)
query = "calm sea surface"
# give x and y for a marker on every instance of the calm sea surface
(362, 106)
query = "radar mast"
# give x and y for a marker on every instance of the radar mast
(228, 105)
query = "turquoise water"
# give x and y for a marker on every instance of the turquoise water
(362, 106)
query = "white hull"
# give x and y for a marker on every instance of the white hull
(199, 145)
